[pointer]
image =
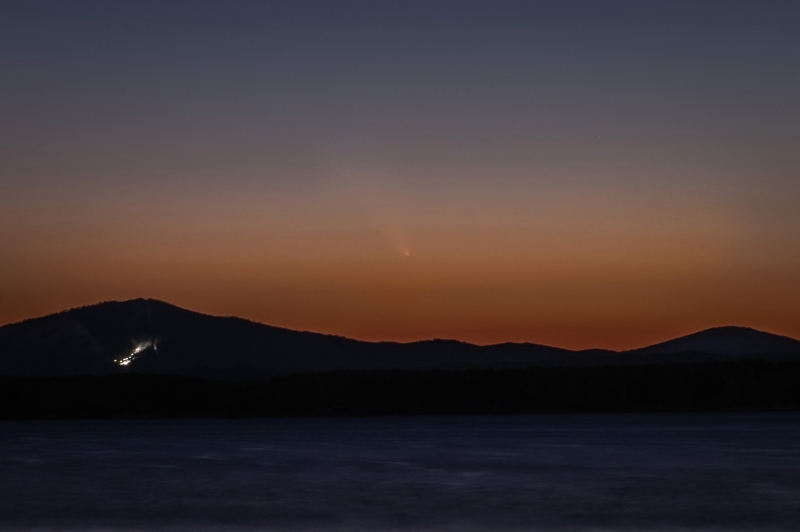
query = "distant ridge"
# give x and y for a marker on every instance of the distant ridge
(151, 336)
(731, 341)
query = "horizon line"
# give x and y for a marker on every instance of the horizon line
(371, 341)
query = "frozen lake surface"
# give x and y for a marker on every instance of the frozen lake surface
(601, 472)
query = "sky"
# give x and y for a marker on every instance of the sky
(573, 173)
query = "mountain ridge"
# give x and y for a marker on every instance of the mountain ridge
(152, 336)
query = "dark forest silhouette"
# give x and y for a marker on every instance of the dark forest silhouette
(721, 386)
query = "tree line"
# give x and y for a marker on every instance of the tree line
(721, 386)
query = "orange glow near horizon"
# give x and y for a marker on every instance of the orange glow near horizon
(490, 266)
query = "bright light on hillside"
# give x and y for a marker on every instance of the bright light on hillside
(124, 361)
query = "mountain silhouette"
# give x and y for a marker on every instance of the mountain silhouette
(730, 341)
(150, 336)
